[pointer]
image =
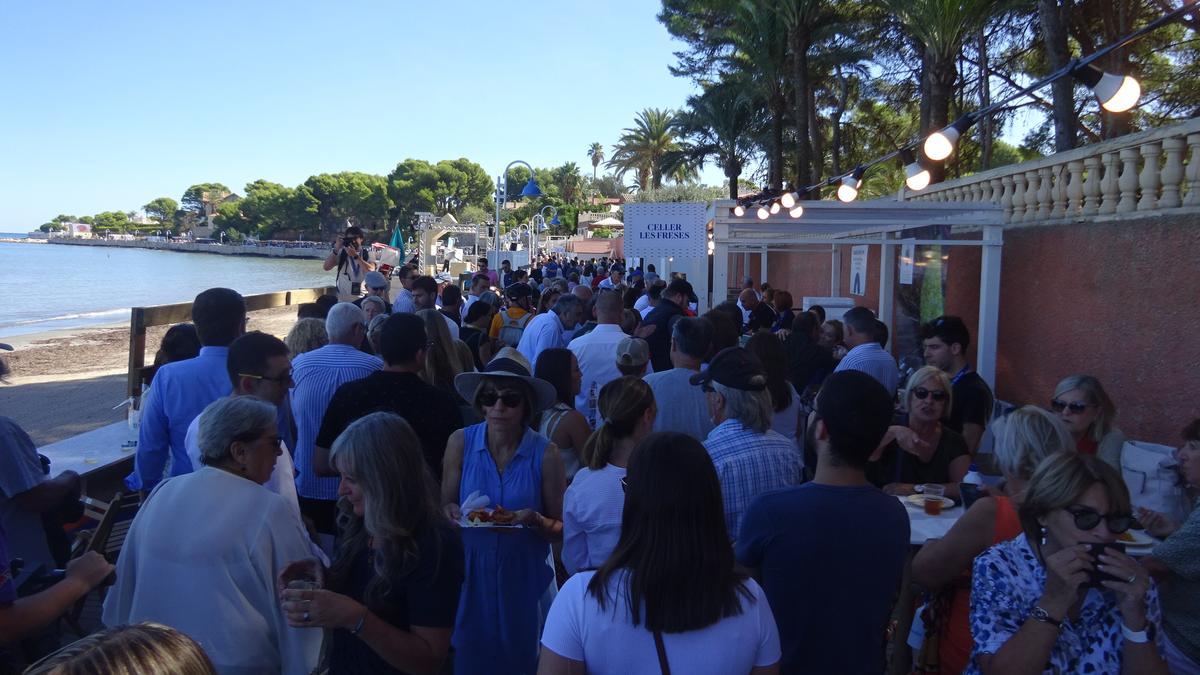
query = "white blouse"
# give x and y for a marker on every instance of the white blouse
(202, 556)
(592, 510)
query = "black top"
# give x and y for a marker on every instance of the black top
(663, 318)
(808, 362)
(762, 316)
(427, 597)
(972, 402)
(432, 413)
(897, 466)
(471, 336)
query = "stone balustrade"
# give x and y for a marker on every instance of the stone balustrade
(1153, 170)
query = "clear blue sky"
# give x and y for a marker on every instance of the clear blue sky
(108, 105)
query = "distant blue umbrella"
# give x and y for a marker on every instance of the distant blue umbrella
(398, 241)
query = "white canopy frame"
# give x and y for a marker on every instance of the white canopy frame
(882, 222)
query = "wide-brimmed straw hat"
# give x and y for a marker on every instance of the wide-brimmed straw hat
(508, 363)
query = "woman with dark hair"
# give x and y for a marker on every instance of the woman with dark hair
(503, 462)
(390, 598)
(565, 426)
(179, 343)
(785, 402)
(1059, 598)
(671, 591)
(594, 501)
(547, 299)
(782, 302)
(474, 331)
(635, 291)
(832, 336)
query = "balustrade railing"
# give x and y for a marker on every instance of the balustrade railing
(1153, 170)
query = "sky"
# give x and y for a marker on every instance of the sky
(108, 105)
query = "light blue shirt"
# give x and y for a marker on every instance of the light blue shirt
(403, 304)
(748, 464)
(180, 391)
(873, 360)
(544, 331)
(317, 375)
(20, 472)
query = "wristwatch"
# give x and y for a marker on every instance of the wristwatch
(1039, 614)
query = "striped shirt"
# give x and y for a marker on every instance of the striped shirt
(748, 464)
(317, 375)
(871, 359)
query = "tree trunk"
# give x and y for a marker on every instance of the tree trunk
(1054, 34)
(818, 139)
(836, 121)
(775, 159)
(798, 41)
(985, 99)
(941, 75)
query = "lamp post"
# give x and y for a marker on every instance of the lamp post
(531, 189)
(539, 222)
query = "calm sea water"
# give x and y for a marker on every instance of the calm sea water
(49, 287)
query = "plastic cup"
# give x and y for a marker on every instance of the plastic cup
(90, 456)
(933, 499)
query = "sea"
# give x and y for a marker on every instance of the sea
(45, 287)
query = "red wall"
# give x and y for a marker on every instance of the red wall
(1114, 300)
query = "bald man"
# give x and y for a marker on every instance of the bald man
(757, 314)
(594, 352)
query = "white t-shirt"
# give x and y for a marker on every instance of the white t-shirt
(592, 511)
(596, 354)
(641, 304)
(608, 642)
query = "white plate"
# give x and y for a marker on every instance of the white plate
(1140, 538)
(919, 501)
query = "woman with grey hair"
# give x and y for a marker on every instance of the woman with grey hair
(202, 553)
(373, 306)
(943, 566)
(1083, 405)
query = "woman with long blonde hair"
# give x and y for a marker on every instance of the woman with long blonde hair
(595, 500)
(444, 360)
(391, 596)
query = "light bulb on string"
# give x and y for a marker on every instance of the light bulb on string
(788, 200)
(940, 144)
(739, 210)
(1116, 93)
(848, 190)
(762, 213)
(796, 211)
(774, 208)
(916, 176)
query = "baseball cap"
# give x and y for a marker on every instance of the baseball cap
(736, 368)
(633, 351)
(519, 290)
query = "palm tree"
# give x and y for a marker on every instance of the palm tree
(596, 154)
(939, 28)
(569, 183)
(716, 126)
(642, 146)
(759, 60)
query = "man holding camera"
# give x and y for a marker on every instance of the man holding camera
(352, 262)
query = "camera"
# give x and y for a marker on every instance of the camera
(349, 241)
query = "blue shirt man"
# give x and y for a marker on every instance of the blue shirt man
(180, 391)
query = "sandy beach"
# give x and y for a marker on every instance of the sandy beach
(66, 382)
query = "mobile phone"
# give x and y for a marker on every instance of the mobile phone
(969, 492)
(1095, 576)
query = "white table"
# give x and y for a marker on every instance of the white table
(923, 527)
(105, 442)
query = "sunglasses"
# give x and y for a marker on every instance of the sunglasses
(1076, 407)
(922, 392)
(1086, 519)
(510, 399)
(285, 376)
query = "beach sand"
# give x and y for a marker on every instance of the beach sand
(67, 382)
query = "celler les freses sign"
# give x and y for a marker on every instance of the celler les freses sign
(665, 230)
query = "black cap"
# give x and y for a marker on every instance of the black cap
(735, 368)
(519, 290)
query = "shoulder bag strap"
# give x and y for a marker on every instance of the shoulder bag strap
(663, 664)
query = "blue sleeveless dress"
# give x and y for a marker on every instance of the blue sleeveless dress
(498, 629)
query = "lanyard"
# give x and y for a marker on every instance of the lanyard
(965, 369)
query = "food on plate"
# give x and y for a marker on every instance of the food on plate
(497, 516)
(1126, 537)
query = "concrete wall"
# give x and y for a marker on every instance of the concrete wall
(1117, 300)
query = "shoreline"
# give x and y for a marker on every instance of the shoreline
(316, 252)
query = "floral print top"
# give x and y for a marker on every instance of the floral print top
(1007, 582)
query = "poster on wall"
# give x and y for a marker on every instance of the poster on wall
(858, 270)
(667, 230)
(907, 253)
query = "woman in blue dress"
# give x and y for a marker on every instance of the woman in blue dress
(509, 578)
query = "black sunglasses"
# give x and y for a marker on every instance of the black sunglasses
(1086, 519)
(922, 392)
(285, 376)
(1075, 407)
(510, 399)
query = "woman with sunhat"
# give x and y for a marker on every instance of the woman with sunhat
(509, 581)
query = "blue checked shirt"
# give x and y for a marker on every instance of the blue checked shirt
(748, 464)
(317, 375)
(873, 360)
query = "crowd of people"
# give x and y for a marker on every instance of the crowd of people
(569, 469)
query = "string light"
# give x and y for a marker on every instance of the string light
(1116, 93)
(916, 177)
(796, 211)
(848, 191)
(940, 144)
(739, 210)
(762, 213)
(774, 208)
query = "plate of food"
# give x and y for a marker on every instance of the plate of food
(919, 501)
(497, 517)
(1135, 538)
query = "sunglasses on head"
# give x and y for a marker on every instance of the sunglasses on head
(510, 399)
(1086, 519)
(922, 392)
(1075, 407)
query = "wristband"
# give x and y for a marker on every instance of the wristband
(1136, 636)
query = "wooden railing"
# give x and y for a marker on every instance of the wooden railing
(163, 315)
(1153, 170)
